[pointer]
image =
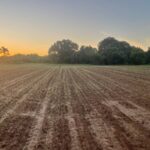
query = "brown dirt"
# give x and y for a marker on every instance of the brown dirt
(50, 107)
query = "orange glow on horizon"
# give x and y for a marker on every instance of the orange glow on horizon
(35, 48)
(42, 48)
(24, 48)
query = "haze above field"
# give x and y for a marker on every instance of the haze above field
(31, 26)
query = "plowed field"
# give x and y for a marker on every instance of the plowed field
(66, 107)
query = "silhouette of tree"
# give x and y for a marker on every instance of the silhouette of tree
(110, 51)
(63, 51)
(87, 55)
(113, 51)
(138, 56)
(148, 56)
(4, 51)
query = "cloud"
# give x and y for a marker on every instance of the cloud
(105, 34)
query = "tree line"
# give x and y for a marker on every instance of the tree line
(110, 51)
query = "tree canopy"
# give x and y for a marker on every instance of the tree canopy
(113, 51)
(87, 54)
(148, 56)
(63, 51)
(110, 51)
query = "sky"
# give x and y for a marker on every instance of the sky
(32, 26)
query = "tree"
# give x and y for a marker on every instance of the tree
(148, 56)
(137, 56)
(87, 55)
(4, 51)
(110, 51)
(113, 51)
(63, 51)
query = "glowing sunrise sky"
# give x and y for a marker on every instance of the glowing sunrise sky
(31, 26)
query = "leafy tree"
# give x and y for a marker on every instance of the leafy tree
(113, 51)
(137, 56)
(63, 51)
(148, 56)
(4, 51)
(87, 54)
(110, 51)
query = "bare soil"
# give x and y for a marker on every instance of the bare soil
(71, 107)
